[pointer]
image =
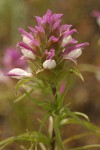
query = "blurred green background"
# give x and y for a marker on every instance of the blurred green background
(16, 118)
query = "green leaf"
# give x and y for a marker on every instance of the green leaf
(47, 75)
(57, 133)
(44, 105)
(85, 147)
(79, 121)
(21, 82)
(42, 146)
(43, 121)
(32, 66)
(77, 136)
(82, 114)
(76, 72)
(35, 137)
(23, 96)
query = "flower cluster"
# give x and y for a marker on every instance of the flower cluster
(48, 45)
(12, 59)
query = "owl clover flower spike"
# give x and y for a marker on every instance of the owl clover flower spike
(47, 44)
(47, 47)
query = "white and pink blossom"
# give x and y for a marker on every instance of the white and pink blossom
(19, 73)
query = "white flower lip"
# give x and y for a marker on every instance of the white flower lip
(49, 64)
(67, 40)
(19, 73)
(26, 40)
(28, 53)
(73, 54)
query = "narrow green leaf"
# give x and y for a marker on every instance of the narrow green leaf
(35, 137)
(43, 121)
(79, 121)
(42, 146)
(32, 66)
(21, 82)
(44, 105)
(75, 137)
(23, 96)
(86, 147)
(82, 114)
(76, 72)
(6, 142)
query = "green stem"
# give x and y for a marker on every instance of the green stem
(53, 132)
(61, 99)
(53, 141)
(57, 132)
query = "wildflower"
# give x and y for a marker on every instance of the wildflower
(12, 59)
(49, 43)
(97, 15)
(19, 73)
(74, 52)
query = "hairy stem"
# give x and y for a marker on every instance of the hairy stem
(53, 140)
(51, 124)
